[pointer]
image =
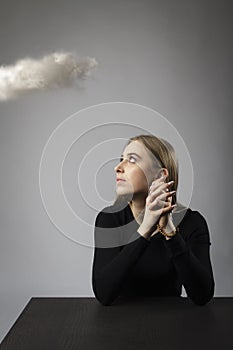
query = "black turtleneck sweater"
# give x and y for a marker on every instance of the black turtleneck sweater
(127, 264)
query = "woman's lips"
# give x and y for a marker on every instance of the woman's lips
(120, 180)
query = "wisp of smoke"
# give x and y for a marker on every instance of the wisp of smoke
(59, 69)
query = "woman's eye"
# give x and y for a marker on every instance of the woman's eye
(131, 157)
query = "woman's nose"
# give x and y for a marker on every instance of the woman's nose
(118, 166)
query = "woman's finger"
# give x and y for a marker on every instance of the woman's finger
(169, 199)
(158, 204)
(168, 208)
(162, 196)
(162, 188)
(156, 192)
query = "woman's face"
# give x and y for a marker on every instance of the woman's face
(136, 170)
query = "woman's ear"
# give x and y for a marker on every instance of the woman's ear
(164, 173)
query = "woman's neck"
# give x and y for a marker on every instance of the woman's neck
(137, 208)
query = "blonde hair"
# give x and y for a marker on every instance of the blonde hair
(164, 153)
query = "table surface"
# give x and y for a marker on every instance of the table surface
(168, 323)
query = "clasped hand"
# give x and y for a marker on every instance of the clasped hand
(158, 205)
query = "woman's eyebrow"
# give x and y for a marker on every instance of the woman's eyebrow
(131, 154)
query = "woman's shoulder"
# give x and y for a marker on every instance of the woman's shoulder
(193, 222)
(195, 216)
(110, 216)
(188, 213)
(113, 209)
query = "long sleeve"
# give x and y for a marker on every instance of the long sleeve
(192, 260)
(112, 265)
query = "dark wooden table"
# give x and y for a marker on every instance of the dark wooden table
(128, 324)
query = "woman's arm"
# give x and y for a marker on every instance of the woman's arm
(112, 265)
(192, 261)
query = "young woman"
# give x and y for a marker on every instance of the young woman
(147, 243)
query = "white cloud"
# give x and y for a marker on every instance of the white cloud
(59, 69)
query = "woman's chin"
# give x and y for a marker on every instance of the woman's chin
(121, 190)
(125, 195)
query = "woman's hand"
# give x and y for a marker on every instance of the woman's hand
(166, 219)
(157, 204)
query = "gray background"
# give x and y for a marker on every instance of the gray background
(172, 56)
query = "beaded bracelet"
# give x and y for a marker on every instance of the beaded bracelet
(166, 234)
